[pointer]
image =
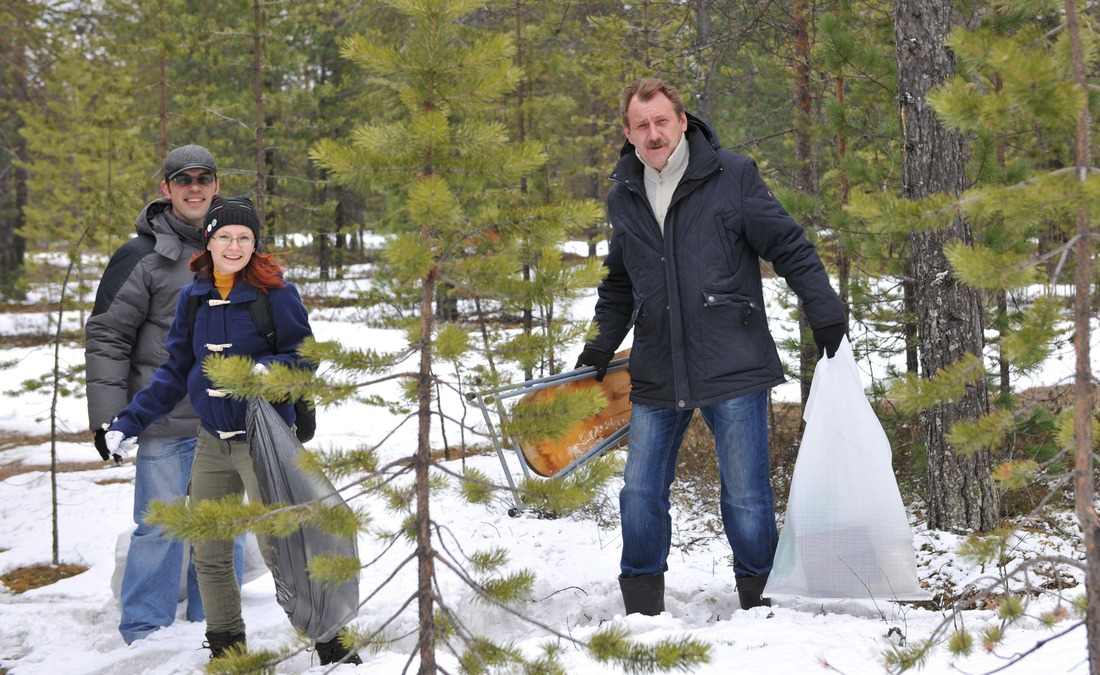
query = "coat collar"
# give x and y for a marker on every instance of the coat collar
(241, 292)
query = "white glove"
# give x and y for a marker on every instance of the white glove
(260, 369)
(119, 445)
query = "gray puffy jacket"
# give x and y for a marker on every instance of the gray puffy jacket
(694, 296)
(134, 307)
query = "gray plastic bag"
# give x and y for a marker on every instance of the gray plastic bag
(317, 610)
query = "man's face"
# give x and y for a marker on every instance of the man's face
(654, 128)
(190, 196)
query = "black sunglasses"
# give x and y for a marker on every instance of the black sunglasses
(202, 178)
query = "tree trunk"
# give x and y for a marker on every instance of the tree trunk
(162, 86)
(1003, 366)
(704, 38)
(594, 177)
(258, 103)
(804, 168)
(1084, 489)
(948, 313)
(13, 189)
(909, 324)
(425, 555)
(521, 136)
(843, 264)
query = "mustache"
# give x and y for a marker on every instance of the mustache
(656, 145)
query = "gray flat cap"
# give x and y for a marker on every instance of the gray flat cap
(188, 157)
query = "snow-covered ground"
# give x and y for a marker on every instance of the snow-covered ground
(71, 626)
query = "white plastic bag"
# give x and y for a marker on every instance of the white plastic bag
(254, 566)
(846, 533)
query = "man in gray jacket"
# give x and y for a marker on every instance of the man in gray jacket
(691, 222)
(124, 344)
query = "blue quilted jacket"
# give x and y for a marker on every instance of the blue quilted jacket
(219, 328)
(694, 296)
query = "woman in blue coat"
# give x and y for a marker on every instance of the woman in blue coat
(229, 274)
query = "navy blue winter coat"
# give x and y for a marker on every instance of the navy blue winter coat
(694, 296)
(222, 324)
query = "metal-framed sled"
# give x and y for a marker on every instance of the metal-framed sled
(590, 438)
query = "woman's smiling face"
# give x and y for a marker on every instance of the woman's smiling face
(231, 248)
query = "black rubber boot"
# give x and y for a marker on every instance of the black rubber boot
(219, 642)
(334, 651)
(749, 590)
(644, 594)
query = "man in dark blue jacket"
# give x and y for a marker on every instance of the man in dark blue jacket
(691, 222)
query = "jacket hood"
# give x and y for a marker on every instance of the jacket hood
(696, 124)
(150, 219)
(174, 237)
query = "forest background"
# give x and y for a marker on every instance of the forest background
(938, 153)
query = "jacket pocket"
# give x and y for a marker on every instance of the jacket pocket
(733, 334)
(645, 352)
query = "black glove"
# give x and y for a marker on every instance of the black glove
(596, 359)
(101, 444)
(827, 338)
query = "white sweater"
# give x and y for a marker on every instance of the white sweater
(659, 185)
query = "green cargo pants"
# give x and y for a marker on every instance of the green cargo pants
(222, 468)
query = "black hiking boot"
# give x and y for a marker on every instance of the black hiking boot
(749, 590)
(643, 594)
(219, 642)
(333, 651)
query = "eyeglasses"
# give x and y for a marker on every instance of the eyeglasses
(243, 241)
(202, 179)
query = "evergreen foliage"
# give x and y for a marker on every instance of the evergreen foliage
(449, 174)
(478, 136)
(1015, 97)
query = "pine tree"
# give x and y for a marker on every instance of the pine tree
(443, 161)
(854, 50)
(449, 175)
(961, 491)
(1019, 95)
(313, 97)
(21, 37)
(805, 178)
(75, 141)
(82, 170)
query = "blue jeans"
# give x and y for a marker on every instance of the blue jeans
(154, 563)
(740, 430)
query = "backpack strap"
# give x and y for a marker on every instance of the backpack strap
(260, 309)
(193, 302)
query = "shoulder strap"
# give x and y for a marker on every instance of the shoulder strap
(259, 308)
(261, 316)
(192, 310)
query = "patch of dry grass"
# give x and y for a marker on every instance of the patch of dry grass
(24, 579)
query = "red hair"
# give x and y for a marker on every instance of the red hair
(262, 272)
